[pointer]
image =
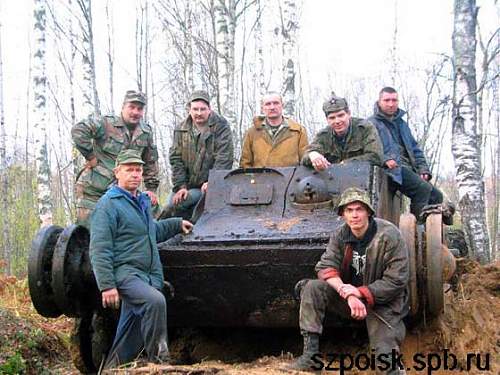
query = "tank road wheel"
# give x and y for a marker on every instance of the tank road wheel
(407, 226)
(40, 271)
(434, 264)
(91, 339)
(70, 283)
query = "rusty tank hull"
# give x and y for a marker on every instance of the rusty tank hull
(257, 233)
(261, 231)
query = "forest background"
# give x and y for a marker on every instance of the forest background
(62, 60)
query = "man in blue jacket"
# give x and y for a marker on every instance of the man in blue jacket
(127, 266)
(403, 158)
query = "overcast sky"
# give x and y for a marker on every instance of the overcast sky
(350, 38)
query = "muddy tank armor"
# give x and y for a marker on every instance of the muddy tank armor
(260, 232)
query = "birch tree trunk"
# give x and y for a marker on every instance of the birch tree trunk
(110, 53)
(261, 84)
(76, 157)
(140, 26)
(4, 173)
(225, 19)
(188, 47)
(289, 32)
(91, 96)
(465, 143)
(40, 115)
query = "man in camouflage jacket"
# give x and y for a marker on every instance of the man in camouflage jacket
(100, 139)
(203, 141)
(345, 139)
(363, 275)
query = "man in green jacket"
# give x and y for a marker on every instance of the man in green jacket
(344, 139)
(100, 138)
(126, 263)
(362, 275)
(203, 141)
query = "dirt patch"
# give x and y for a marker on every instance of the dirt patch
(29, 344)
(470, 324)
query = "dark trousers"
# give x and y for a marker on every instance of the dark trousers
(420, 192)
(318, 297)
(142, 324)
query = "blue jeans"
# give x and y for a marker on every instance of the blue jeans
(420, 192)
(142, 324)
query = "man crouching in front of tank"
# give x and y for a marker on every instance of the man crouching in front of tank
(363, 275)
(127, 266)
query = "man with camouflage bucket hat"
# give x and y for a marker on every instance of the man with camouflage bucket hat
(203, 141)
(100, 138)
(362, 275)
(346, 138)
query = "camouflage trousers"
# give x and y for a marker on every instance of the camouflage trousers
(86, 199)
(317, 298)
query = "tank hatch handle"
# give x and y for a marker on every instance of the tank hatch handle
(251, 194)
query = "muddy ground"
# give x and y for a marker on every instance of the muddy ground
(470, 325)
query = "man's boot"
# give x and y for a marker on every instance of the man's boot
(311, 347)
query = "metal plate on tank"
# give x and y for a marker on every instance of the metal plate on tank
(251, 194)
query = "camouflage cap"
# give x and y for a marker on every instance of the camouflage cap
(351, 195)
(134, 96)
(128, 156)
(335, 104)
(199, 95)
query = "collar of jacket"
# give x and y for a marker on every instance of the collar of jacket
(213, 118)
(258, 123)
(116, 192)
(380, 115)
(140, 202)
(119, 123)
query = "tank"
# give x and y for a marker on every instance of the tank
(257, 233)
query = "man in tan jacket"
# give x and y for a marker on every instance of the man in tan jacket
(273, 140)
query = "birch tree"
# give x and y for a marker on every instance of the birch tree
(177, 19)
(225, 21)
(90, 94)
(226, 14)
(40, 114)
(141, 46)
(259, 75)
(465, 142)
(188, 47)
(289, 29)
(110, 53)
